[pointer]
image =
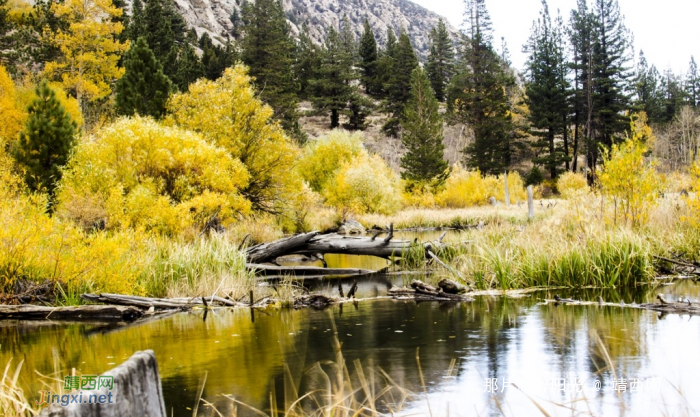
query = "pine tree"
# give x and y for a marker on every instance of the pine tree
(692, 84)
(673, 95)
(308, 58)
(368, 59)
(144, 88)
(646, 88)
(422, 132)
(440, 64)
(548, 92)
(399, 86)
(332, 87)
(165, 31)
(477, 96)
(610, 76)
(137, 22)
(46, 142)
(268, 50)
(580, 33)
(385, 65)
(189, 68)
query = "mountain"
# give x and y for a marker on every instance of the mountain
(214, 17)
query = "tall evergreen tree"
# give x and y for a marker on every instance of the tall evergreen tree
(580, 35)
(368, 59)
(385, 65)
(692, 84)
(46, 142)
(308, 56)
(268, 50)
(165, 33)
(440, 64)
(422, 132)
(646, 88)
(673, 95)
(189, 68)
(478, 95)
(399, 86)
(332, 86)
(144, 88)
(548, 92)
(610, 76)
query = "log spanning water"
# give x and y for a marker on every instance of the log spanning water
(77, 313)
(314, 243)
(663, 306)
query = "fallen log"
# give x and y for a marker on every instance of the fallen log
(79, 313)
(424, 292)
(159, 303)
(270, 251)
(305, 270)
(662, 306)
(451, 287)
(351, 245)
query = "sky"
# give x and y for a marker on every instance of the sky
(668, 31)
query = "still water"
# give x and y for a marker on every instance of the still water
(548, 356)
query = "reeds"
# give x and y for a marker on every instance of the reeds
(12, 400)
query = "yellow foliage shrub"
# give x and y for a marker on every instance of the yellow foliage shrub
(227, 113)
(463, 188)
(419, 198)
(693, 199)
(365, 185)
(37, 247)
(136, 173)
(630, 180)
(516, 187)
(12, 116)
(572, 185)
(321, 158)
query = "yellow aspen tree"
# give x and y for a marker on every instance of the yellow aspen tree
(90, 49)
(11, 117)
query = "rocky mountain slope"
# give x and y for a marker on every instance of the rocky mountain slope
(214, 17)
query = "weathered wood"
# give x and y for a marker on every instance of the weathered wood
(270, 251)
(305, 270)
(32, 312)
(505, 180)
(421, 291)
(349, 245)
(135, 301)
(136, 391)
(530, 203)
(662, 306)
(451, 287)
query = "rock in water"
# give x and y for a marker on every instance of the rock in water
(451, 287)
(351, 227)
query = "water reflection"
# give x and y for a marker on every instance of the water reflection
(520, 341)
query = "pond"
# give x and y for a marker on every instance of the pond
(544, 353)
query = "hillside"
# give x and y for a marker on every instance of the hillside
(214, 17)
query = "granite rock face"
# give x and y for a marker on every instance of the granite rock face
(214, 17)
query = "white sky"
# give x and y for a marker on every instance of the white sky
(668, 31)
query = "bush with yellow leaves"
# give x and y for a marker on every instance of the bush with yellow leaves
(12, 117)
(631, 181)
(228, 113)
(322, 158)
(137, 174)
(466, 188)
(364, 185)
(572, 185)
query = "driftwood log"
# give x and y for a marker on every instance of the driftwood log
(157, 303)
(662, 306)
(275, 270)
(422, 291)
(78, 313)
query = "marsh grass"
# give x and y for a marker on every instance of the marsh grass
(12, 399)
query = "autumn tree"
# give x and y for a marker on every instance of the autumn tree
(229, 113)
(144, 88)
(11, 116)
(90, 53)
(440, 65)
(6, 28)
(45, 143)
(548, 92)
(421, 132)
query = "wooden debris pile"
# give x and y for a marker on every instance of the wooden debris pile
(446, 290)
